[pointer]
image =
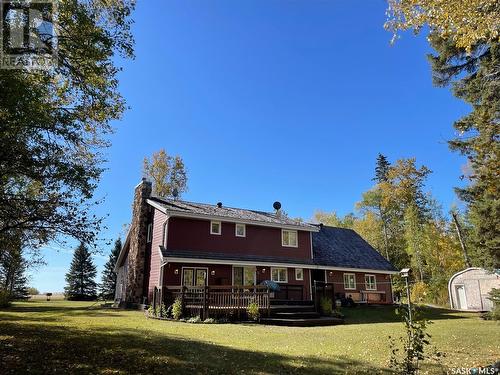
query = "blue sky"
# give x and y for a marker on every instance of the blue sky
(272, 100)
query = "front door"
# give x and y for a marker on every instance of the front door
(461, 301)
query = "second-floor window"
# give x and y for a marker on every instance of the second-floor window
(215, 227)
(289, 238)
(240, 230)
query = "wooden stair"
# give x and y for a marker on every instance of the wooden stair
(300, 314)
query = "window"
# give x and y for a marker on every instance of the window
(299, 274)
(215, 227)
(279, 275)
(240, 230)
(370, 282)
(194, 276)
(289, 238)
(150, 233)
(349, 281)
(244, 276)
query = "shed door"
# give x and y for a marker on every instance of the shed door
(462, 303)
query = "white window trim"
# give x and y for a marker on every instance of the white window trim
(194, 273)
(286, 275)
(211, 227)
(236, 230)
(283, 237)
(296, 277)
(254, 274)
(345, 287)
(374, 283)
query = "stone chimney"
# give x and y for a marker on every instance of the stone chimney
(138, 240)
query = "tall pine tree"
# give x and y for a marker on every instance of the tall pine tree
(475, 78)
(381, 168)
(80, 278)
(108, 284)
(13, 277)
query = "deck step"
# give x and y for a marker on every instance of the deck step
(315, 322)
(291, 302)
(296, 315)
(291, 308)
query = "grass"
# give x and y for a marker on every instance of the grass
(76, 337)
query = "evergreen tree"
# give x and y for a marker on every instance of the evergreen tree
(475, 78)
(80, 278)
(13, 277)
(381, 168)
(108, 284)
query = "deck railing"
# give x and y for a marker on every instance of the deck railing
(208, 301)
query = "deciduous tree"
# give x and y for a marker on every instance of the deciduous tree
(54, 125)
(167, 173)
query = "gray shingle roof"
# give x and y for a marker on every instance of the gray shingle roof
(341, 247)
(229, 213)
(229, 257)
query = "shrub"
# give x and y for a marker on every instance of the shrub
(209, 321)
(253, 311)
(177, 309)
(494, 296)
(419, 292)
(194, 319)
(151, 311)
(326, 305)
(4, 298)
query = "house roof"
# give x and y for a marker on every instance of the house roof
(340, 247)
(208, 211)
(232, 257)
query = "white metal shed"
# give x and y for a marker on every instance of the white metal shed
(468, 289)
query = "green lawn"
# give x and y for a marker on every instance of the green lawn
(75, 337)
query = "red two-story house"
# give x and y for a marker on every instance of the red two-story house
(173, 243)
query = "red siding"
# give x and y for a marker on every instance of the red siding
(157, 239)
(191, 234)
(224, 275)
(383, 283)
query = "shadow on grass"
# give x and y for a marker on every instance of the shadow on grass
(54, 312)
(40, 349)
(387, 314)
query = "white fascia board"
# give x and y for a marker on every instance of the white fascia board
(230, 220)
(269, 264)
(121, 254)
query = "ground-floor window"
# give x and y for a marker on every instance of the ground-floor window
(299, 274)
(279, 275)
(194, 276)
(244, 276)
(370, 282)
(349, 281)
